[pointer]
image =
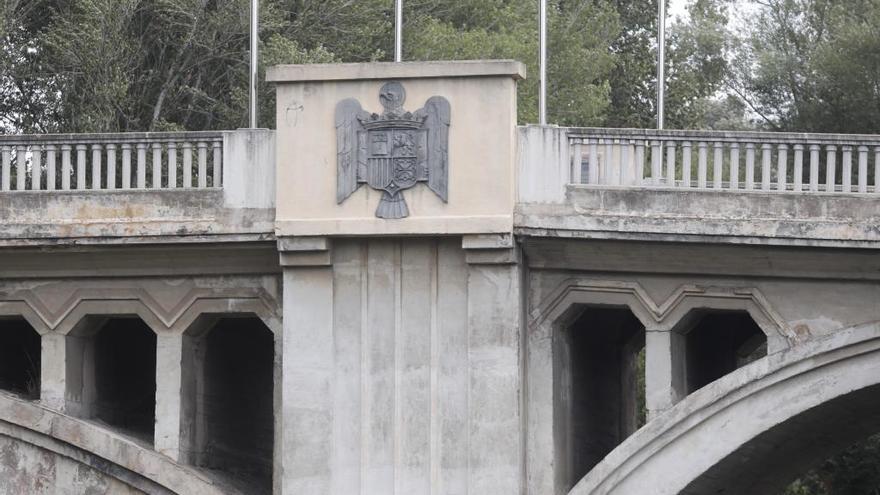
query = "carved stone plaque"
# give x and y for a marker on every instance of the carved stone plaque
(393, 151)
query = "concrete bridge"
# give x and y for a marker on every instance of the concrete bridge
(224, 312)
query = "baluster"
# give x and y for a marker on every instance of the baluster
(863, 169)
(877, 170)
(96, 166)
(81, 166)
(814, 167)
(702, 157)
(670, 163)
(686, 164)
(575, 172)
(20, 167)
(203, 164)
(172, 165)
(611, 176)
(656, 162)
(830, 168)
(50, 167)
(798, 167)
(187, 164)
(766, 159)
(846, 173)
(157, 165)
(36, 167)
(111, 166)
(141, 165)
(7, 167)
(217, 165)
(718, 166)
(592, 158)
(126, 166)
(782, 168)
(640, 162)
(66, 167)
(625, 164)
(734, 166)
(750, 166)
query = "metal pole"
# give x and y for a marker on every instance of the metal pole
(661, 62)
(398, 30)
(542, 62)
(255, 38)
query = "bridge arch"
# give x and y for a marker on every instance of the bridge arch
(84, 456)
(757, 428)
(551, 465)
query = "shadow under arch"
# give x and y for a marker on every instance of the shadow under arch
(741, 433)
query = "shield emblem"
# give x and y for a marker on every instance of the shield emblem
(392, 151)
(392, 160)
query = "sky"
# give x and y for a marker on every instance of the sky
(676, 8)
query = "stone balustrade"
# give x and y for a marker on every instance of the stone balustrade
(165, 160)
(725, 160)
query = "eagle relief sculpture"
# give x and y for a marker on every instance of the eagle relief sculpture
(393, 151)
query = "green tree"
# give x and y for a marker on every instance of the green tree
(125, 65)
(813, 65)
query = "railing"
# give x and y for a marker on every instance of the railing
(111, 161)
(725, 160)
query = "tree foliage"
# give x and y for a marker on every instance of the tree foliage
(813, 65)
(125, 65)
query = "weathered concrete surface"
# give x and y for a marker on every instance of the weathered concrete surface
(53, 453)
(482, 141)
(794, 294)
(401, 371)
(25, 468)
(800, 219)
(811, 392)
(43, 217)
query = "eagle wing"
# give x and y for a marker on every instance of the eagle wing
(437, 117)
(347, 127)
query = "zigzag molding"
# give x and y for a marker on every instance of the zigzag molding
(665, 315)
(111, 301)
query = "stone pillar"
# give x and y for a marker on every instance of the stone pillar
(167, 436)
(665, 371)
(495, 358)
(305, 432)
(53, 370)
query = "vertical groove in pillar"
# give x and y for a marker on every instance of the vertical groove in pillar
(413, 470)
(365, 341)
(380, 393)
(397, 426)
(434, 426)
(453, 376)
(349, 276)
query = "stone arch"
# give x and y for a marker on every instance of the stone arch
(140, 302)
(799, 390)
(664, 315)
(59, 438)
(229, 389)
(563, 305)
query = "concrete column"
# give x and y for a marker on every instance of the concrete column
(168, 386)
(665, 371)
(306, 453)
(53, 370)
(495, 357)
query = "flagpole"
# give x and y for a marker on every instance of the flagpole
(398, 30)
(255, 36)
(661, 62)
(542, 62)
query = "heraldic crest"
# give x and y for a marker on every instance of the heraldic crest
(393, 151)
